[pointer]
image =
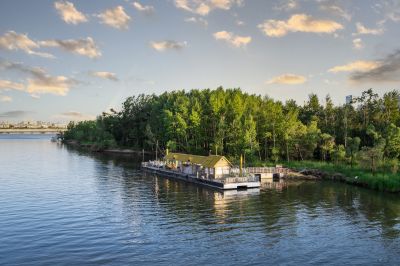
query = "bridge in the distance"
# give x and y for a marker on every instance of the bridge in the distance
(31, 130)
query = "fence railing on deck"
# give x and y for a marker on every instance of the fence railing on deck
(235, 175)
(244, 179)
(262, 170)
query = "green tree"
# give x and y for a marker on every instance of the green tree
(309, 140)
(372, 157)
(391, 110)
(233, 122)
(353, 146)
(250, 142)
(393, 142)
(327, 145)
(339, 153)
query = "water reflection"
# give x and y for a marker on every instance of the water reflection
(279, 185)
(66, 206)
(276, 203)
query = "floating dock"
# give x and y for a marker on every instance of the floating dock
(274, 173)
(226, 183)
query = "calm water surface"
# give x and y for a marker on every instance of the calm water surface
(62, 207)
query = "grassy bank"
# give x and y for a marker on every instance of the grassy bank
(380, 181)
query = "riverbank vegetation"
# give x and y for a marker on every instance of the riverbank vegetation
(357, 175)
(364, 134)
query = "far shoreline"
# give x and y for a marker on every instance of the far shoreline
(94, 148)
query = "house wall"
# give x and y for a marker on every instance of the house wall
(222, 171)
(222, 163)
(218, 170)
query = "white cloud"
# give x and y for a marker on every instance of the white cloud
(390, 10)
(204, 7)
(387, 71)
(86, 47)
(69, 13)
(116, 18)
(362, 30)
(358, 44)
(199, 20)
(148, 10)
(167, 45)
(335, 10)
(16, 114)
(46, 84)
(5, 98)
(235, 40)
(105, 75)
(39, 82)
(298, 23)
(288, 79)
(15, 41)
(393, 10)
(9, 85)
(225, 4)
(359, 66)
(74, 116)
(183, 4)
(240, 22)
(287, 5)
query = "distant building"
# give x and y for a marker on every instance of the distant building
(349, 99)
(32, 125)
(4, 125)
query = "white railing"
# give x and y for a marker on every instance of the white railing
(243, 179)
(234, 176)
(157, 164)
(262, 170)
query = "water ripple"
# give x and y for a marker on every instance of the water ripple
(62, 207)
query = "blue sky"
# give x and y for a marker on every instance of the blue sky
(63, 60)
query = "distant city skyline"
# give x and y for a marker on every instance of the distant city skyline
(31, 124)
(72, 60)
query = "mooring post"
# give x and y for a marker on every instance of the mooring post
(241, 165)
(156, 150)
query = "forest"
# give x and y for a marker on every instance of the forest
(364, 133)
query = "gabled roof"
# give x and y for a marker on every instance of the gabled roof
(207, 161)
(197, 159)
(212, 160)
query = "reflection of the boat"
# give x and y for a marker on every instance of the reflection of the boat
(276, 207)
(278, 185)
(224, 200)
(234, 193)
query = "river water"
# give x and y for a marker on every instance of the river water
(63, 207)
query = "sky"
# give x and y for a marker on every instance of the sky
(72, 60)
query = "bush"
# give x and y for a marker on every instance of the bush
(382, 181)
(393, 165)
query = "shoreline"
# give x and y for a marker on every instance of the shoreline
(305, 173)
(321, 175)
(94, 148)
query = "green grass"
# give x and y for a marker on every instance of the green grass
(356, 175)
(382, 181)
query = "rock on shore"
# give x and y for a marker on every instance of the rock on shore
(313, 174)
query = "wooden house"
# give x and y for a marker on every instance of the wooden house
(212, 166)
